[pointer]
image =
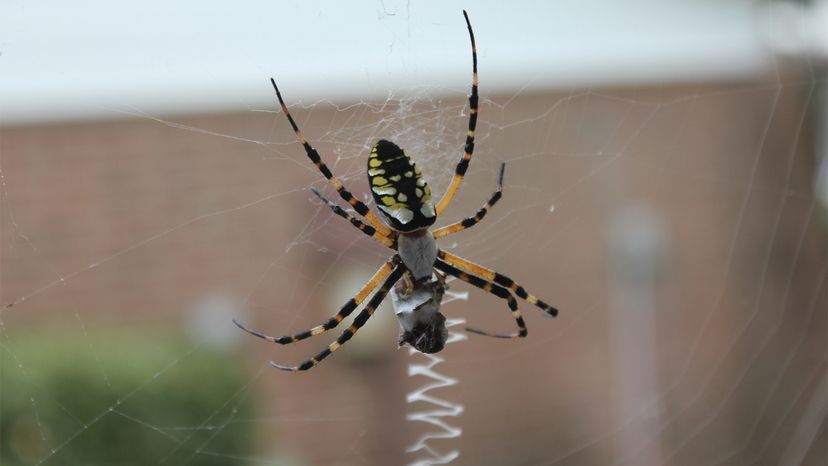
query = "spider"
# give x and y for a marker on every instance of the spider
(403, 197)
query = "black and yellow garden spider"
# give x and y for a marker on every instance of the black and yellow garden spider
(404, 198)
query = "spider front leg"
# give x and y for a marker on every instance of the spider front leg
(359, 321)
(344, 312)
(472, 221)
(360, 207)
(406, 286)
(498, 278)
(441, 279)
(496, 290)
(388, 240)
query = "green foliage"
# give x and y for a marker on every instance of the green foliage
(120, 398)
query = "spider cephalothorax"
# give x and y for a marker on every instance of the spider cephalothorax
(404, 199)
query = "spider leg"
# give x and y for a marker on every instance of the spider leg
(472, 221)
(359, 321)
(463, 165)
(496, 290)
(496, 277)
(360, 207)
(390, 241)
(344, 312)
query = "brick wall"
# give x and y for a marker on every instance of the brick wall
(133, 221)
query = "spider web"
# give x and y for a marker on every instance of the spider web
(675, 226)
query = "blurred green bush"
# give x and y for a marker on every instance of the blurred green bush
(120, 398)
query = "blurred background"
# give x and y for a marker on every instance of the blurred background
(665, 188)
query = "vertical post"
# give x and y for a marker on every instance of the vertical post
(637, 244)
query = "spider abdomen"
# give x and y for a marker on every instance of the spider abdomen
(399, 189)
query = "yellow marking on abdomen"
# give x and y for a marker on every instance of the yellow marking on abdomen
(382, 190)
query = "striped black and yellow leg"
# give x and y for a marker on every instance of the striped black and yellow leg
(344, 312)
(472, 221)
(391, 241)
(359, 321)
(463, 165)
(496, 277)
(360, 207)
(496, 290)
